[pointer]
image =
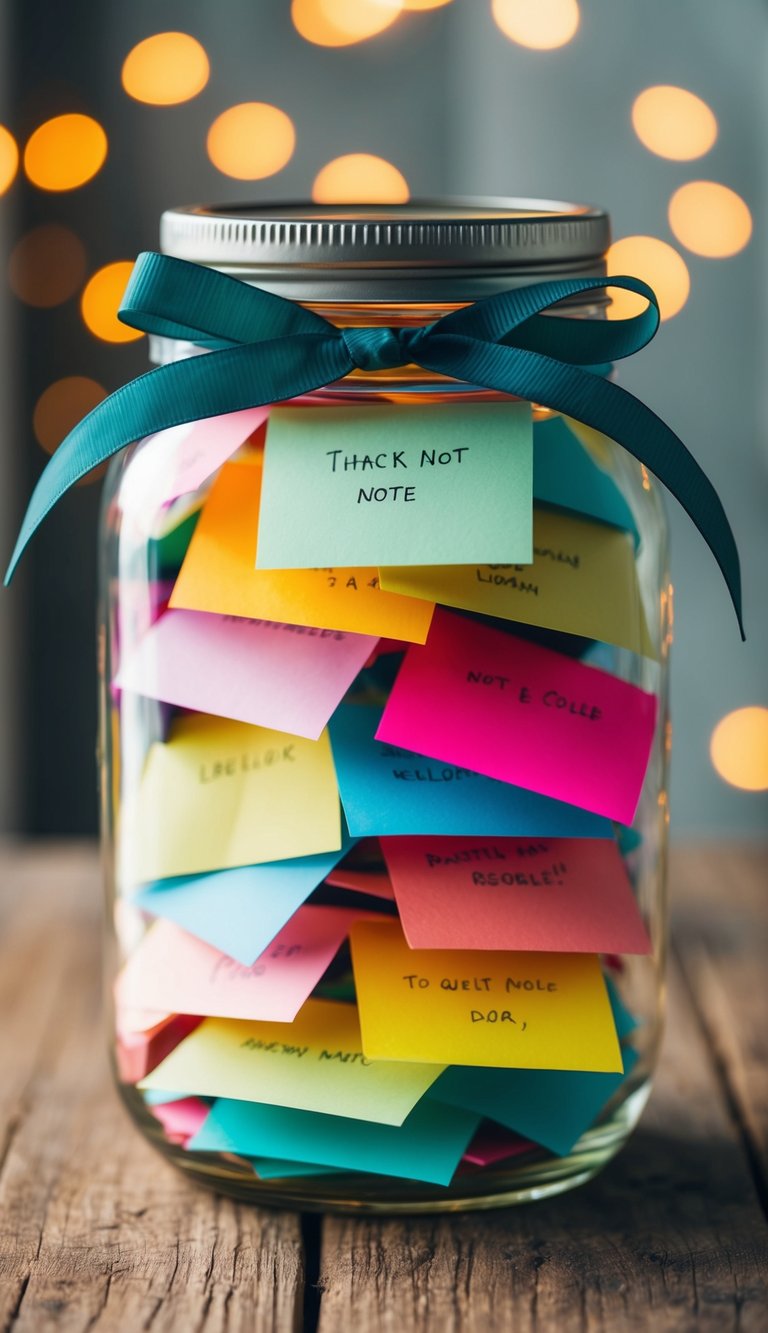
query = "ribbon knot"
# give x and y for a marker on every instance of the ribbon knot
(264, 349)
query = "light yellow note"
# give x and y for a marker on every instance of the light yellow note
(218, 574)
(582, 581)
(219, 794)
(508, 1010)
(315, 1063)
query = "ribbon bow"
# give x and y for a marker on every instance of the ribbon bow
(265, 349)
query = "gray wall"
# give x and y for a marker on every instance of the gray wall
(459, 109)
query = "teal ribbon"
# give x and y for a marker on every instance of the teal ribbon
(265, 349)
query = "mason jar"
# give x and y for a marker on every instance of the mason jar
(524, 919)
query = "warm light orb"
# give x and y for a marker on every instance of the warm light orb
(343, 22)
(61, 406)
(674, 123)
(360, 178)
(65, 152)
(165, 69)
(710, 219)
(9, 159)
(656, 263)
(100, 303)
(251, 140)
(739, 748)
(539, 24)
(47, 266)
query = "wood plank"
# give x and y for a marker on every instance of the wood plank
(670, 1236)
(96, 1232)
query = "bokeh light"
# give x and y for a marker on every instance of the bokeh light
(539, 24)
(100, 303)
(674, 123)
(61, 406)
(251, 140)
(739, 748)
(360, 178)
(656, 263)
(710, 219)
(165, 69)
(343, 22)
(65, 152)
(9, 159)
(47, 266)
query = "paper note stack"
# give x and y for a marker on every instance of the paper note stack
(375, 894)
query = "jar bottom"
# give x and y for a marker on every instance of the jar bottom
(535, 1177)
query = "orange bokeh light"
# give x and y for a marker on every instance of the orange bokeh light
(539, 24)
(360, 178)
(9, 159)
(61, 406)
(251, 140)
(739, 748)
(673, 123)
(656, 263)
(100, 303)
(47, 265)
(165, 69)
(343, 22)
(709, 219)
(65, 152)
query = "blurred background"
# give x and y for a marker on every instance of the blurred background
(656, 109)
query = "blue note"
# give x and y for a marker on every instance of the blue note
(428, 1146)
(387, 792)
(271, 1168)
(240, 911)
(552, 1107)
(565, 475)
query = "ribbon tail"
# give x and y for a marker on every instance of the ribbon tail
(607, 408)
(203, 386)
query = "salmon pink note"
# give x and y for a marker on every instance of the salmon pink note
(513, 710)
(562, 895)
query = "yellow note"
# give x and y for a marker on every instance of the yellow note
(219, 574)
(219, 794)
(472, 1007)
(582, 581)
(315, 1063)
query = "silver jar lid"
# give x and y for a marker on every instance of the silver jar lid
(432, 250)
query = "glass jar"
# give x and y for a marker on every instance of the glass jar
(362, 267)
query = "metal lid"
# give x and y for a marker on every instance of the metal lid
(440, 250)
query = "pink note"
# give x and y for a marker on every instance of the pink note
(359, 881)
(192, 452)
(138, 1052)
(181, 1119)
(481, 698)
(287, 677)
(492, 1144)
(174, 970)
(556, 895)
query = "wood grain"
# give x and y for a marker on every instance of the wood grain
(97, 1232)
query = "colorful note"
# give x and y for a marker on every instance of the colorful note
(178, 972)
(219, 794)
(551, 1107)
(566, 475)
(493, 1144)
(387, 790)
(375, 883)
(391, 484)
(560, 895)
(428, 1147)
(288, 677)
(218, 575)
(139, 1050)
(182, 1118)
(582, 581)
(239, 911)
(532, 1011)
(524, 714)
(272, 1168)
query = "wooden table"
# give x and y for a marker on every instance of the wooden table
(98, 1233)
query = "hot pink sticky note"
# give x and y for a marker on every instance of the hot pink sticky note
(287, 677)
(192, 452)
(174, 970)
(512, 710)
(181, 1119)
(139, 1051)
(492, 1144)
(557, 895)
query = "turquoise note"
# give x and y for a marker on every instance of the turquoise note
(428, 1146)
(565, 475)
(271, 1168)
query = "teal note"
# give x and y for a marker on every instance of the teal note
(549, 1106)
(564, 474)
(390, 485)
(271, 1168)
(428, 1146)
